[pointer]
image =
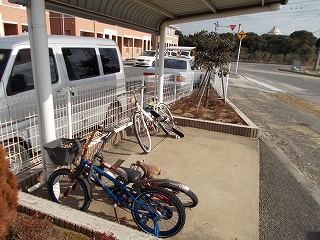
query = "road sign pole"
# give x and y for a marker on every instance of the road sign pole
(238, 57)
(238, 50)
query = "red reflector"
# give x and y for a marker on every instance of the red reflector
(177, 78)
(148, 74)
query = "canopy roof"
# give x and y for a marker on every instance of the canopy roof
(180, 48)
(149, 15)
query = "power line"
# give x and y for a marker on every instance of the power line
(307, 20)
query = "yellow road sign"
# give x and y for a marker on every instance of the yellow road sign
(241, 35)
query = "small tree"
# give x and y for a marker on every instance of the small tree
(214, 50)
(8, 195)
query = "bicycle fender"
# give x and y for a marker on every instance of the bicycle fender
(173, 185)
(138, 185)
(161, 183)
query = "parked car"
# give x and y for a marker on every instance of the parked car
(181, 70)
(146, 59)
(171, 54)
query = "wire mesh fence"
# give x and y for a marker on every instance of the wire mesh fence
(77, 111)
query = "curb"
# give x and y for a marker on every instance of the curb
(309, 74)
(76, 220)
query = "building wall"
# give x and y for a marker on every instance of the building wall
(131, 43)
(14, 19)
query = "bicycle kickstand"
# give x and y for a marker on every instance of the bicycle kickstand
(115, 212)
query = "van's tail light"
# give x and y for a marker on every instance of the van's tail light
(148, 74)
(177, 78)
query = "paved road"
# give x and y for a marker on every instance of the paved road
(303, 86)
(289, 163)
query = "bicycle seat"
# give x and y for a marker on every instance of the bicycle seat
(150, 171)
(130, 175)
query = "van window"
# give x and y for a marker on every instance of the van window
(81, 63)
(4, 56)
(110, 60)
(21, 78)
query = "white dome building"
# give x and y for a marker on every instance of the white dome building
(275, 31)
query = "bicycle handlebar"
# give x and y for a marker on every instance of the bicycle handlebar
(85, 146)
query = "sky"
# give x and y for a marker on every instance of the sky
(295, 16)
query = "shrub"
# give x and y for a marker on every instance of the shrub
(41, 227)
(8, 195)
(197, 112)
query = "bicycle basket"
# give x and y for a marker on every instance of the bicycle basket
(62, 151)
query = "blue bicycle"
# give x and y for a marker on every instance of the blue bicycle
(154, 209)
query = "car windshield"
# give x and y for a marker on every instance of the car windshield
(148, 53)
(4, 56)
(175, 64)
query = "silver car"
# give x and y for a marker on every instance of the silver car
(181, 70)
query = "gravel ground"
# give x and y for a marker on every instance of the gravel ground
(287, 209)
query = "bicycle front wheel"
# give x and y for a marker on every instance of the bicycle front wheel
(159, 212)
(167, 122)
(142, 133)
(59, 183)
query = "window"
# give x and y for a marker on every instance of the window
(24, 29)
(110, 60)
(169, 31)
(80, 63)
(21, 78)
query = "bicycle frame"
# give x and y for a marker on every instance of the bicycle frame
(124, 190)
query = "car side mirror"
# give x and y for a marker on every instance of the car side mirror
(192, 68)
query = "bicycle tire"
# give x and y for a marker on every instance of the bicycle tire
(168, 129)
(59, 182)
(16, 154)
(167, 123)
(166, 206)
(142, 133)
(189, 199)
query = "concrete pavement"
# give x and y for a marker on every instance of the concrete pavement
(221, 169)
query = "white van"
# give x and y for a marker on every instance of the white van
(88, 72)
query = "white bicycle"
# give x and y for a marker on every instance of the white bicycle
(156, 116)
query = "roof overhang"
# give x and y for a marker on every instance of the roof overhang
(180, 48)
(150, 15)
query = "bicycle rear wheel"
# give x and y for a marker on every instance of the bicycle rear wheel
(142, 133)
(167, 122)
(162, 213)
(59, 183)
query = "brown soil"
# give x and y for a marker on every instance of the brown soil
(297, 102)
(211, 107)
